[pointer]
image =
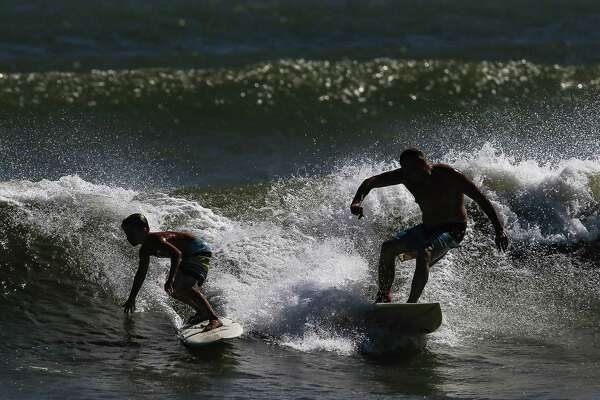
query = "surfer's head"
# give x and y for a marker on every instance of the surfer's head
(415, 165)
(136, 228)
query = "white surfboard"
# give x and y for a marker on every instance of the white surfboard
(408, 317)
(193, 336)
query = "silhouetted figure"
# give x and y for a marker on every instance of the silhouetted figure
(439, 191)
(190, 257)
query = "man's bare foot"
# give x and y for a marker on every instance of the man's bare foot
(384, 297)
(213, 324)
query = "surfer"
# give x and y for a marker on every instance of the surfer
(189, 256)
(439, 191)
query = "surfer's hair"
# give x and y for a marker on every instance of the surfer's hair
(410, 153)
(137, 220)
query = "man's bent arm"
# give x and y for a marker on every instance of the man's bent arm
(386, 179)
(474, 193)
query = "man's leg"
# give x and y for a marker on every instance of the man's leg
(421, 274)
(427, 257)
(187, 291)
(387, 267)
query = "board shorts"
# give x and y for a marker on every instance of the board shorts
(196, 266)
(439, 240)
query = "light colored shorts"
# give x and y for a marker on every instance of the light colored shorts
(439, 239)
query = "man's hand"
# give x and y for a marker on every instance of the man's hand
(169, 286)
(357, 210)
(501, 239)
(129, 306)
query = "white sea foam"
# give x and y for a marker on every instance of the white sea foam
(549, 203)
(321, 340)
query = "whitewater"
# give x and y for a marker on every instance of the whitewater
(299, 269)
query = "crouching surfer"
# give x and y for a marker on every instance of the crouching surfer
(439, 191)
(190, 257)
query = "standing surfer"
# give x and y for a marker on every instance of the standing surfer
(189, 256)
(439, 191)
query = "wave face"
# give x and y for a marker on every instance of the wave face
(295, 268)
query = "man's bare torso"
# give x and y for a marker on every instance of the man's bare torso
(441, 199)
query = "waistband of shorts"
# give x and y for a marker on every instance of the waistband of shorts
(198, 253)
(446, 227)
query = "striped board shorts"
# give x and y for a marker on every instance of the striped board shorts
(196, 266)
(439, 240)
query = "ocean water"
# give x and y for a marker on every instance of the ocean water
(252, 124)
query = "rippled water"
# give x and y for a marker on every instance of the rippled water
(252, 124)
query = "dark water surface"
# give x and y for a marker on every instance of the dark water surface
(252, 124)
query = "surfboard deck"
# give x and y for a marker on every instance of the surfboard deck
(194, 337)
(405, 317)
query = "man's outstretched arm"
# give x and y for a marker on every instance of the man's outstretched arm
(472, 191)
(140, 275)
(386, 179)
